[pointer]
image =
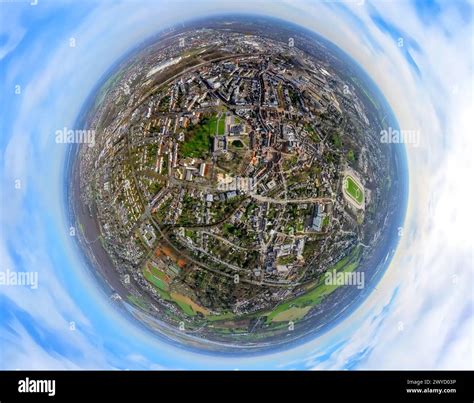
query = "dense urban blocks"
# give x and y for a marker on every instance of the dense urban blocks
(230, 172)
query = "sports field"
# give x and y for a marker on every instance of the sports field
(354, 190)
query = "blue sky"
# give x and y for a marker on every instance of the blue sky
(421, 314)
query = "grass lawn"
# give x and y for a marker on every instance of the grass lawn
(294, 313)
(157, 282)
(222, 316)
(216, 125)
(186, 308)
(212, 125)
(221, 126)
(197, 139)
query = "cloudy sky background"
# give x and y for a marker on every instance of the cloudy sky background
(420, 315)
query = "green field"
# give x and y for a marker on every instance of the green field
(353, 190)
(197, 139)
(217, 125)
(222, 316)
(162, 288)
(221, 126)
(155, 280)
(326, 221)
(315, 295)
(186, 308)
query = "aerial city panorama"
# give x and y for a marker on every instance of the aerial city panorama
(237, 184)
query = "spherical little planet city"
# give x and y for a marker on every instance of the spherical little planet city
(237, 196)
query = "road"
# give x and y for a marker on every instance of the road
(265, 199)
